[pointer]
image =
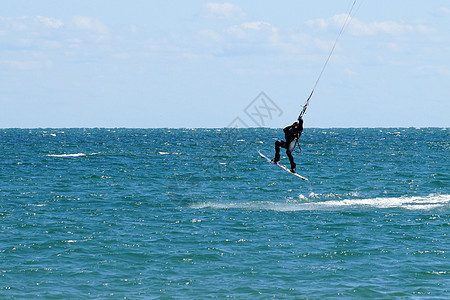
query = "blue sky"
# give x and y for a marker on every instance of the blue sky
(198, 63)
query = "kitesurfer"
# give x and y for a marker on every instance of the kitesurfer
(292, 133)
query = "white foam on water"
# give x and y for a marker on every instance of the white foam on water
(73, 154)
(68, 155)
(429, 202)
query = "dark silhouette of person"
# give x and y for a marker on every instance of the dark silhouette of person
(291, 133)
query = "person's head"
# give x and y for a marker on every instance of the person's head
(295, 124)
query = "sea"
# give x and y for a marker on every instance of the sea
(198, 214)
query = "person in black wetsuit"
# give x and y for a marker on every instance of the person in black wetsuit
(292, 133)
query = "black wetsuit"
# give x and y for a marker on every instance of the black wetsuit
(291, 136)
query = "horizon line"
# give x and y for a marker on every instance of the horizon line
(190, 128)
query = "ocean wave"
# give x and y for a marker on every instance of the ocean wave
(67, 155)
(429, 202)
(72, 155)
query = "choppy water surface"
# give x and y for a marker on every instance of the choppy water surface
(189, 213)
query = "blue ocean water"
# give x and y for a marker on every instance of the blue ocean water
(196, 213)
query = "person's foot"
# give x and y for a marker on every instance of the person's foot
(293, 168)
(274, 161)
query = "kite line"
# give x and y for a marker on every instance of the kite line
(346, 22)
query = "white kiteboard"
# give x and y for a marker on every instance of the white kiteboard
(281, 166)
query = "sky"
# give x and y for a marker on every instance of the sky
(172, 64)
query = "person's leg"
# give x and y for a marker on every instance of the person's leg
(277, 152)
(289, 150)
(291, 160)
(278, 144)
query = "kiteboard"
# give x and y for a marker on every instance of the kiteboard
(281, 166)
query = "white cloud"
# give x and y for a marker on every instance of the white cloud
(261, 37)
(30, 23)
(253, 31)
(243, 39)
(31, 33)
(90, 24)
(39, 23)
(358, 28)
(223, 11)
(350, 72)
(445, 10)
(12, 24)
(41, 32)
(50, 22)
